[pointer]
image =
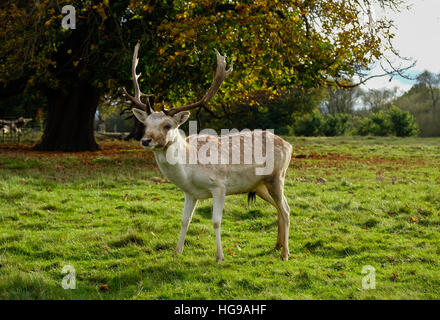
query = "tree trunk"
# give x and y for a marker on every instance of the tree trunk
(70, 119)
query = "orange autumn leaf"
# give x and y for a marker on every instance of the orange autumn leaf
(104, 287)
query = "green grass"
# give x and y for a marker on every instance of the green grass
(102, 213)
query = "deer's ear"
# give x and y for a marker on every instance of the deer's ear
(139, 114)
(181, 117)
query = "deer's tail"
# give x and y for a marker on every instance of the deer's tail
(252, 197)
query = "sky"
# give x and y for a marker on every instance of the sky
(417, 37)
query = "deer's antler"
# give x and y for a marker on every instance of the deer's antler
(137, 92)
(220, 76)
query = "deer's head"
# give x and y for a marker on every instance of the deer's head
(161, 127)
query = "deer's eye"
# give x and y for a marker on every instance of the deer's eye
(167, 127)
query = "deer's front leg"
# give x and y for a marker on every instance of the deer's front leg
(188, 210)
(218, 196)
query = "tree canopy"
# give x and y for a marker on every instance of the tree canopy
(277, 46)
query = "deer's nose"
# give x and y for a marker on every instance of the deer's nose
(145, 142)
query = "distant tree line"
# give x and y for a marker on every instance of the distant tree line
(378, 112)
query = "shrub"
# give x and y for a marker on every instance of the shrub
(336, 125)
(309, 125)
(390, 122)
(403, 124)
(377, 125)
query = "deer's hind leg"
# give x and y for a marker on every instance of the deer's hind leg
(264, 194)
(275, 187)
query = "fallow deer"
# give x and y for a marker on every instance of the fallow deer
(207, 180)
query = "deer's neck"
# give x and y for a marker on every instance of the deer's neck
(174, 172)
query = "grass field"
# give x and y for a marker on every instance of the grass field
(355, 202)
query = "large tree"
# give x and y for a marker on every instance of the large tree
(432, 82)
(419, 101)
(277, 46)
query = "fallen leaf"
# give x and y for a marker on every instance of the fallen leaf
(395, 276)
(126, 197)
(341, 274)
(22, 181)
(203, 231)
(155, 199)
(270, 262)
(414, 219)
(105, 247)
(239, 222)
(103, 287)
(231, 252)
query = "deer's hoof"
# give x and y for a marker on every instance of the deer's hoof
(220, 258)
(278, 246)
